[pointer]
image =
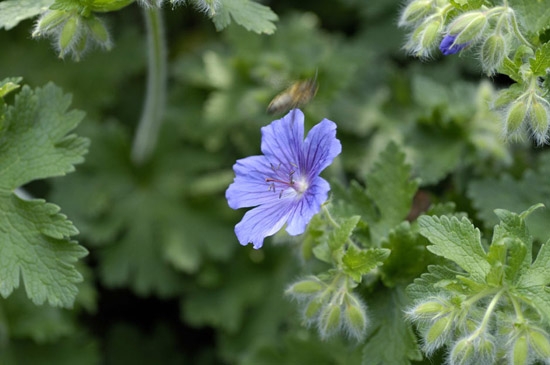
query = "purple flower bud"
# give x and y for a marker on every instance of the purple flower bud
(448, 46)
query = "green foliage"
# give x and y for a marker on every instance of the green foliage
(499, 286)
(249, 14)
(162, 230)
(388, 327)
(506, 192)
(35, 144)
(533, 16)
(143, 248)
(541, 63)
(14, 11)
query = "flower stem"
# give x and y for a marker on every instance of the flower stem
(329, 217)
(147, 131)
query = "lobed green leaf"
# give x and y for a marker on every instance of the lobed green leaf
(251, 15)
(358, 262)
(458, 241)
(14, 11)
(541, 63)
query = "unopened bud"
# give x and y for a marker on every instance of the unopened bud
(415, 12)
(438, 330)
(520, 351)
(493, 52)
(308, 286)
(428, 310)
(48, 21)
(355, 320)
(468, 26)
(330, 319)
(430, 34)
(463, 352)
(313, 308)
(99, 32)
(539, 122)
(69, 34)
(515, 116)
(540, 344)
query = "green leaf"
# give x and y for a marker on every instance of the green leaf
(252, 16)
(8, 85)
(533, 15)
(14, 11)
(538, 274)
(513, 231)
(339, 236)
(35, 143)
(458, 241)
(33, 242)
(389, 327)
(358, 262)
(391, 188)
(409, 256)
(34, 237)
(144, 249)
(466, 5)
(541, 63)
(429, 284)
(515, 195)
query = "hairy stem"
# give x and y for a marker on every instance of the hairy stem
(147, 131)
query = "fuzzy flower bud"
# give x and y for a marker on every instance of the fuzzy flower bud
(540, 343)
(313, 309)
(425, 38)
(540, 112)
(69, 35)
(415, 12)
(463, 352)
(493, 51)
(330, 320)
(520, 351)
(49, 21)
(515, 116)
(468, 26)
(355, 318)
(307, 286)
(71, 32)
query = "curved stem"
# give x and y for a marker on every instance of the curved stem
(329, 216)
(146, 136)
(517, 31)
(488, 313)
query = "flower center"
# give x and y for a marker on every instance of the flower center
(284, 177)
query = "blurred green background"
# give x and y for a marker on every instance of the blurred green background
(166, 280)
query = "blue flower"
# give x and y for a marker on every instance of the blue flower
(448, 46)
(283, 184)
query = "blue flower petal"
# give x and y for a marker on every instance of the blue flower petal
(309, 205)
(282, 139)
(263, 221)
(249, 189)
(321, 147)
(448, 46)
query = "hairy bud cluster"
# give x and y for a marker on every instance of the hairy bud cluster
(529, 111)
(430, 20)
(207, 6)
(71, 32)
(331, 307)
